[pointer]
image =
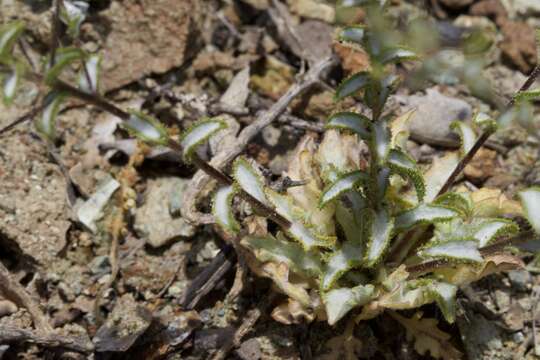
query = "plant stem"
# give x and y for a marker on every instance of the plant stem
(55, 36)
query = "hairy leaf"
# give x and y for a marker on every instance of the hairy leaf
(466, 134)
(145, 128)
(459, 201)
(248, 179)
(424, 214)
(485, 122)
(350, 121)
(199, 133)
(352, 84)
(380, 229)
(222, 209)
(63, 58)
(279, 250)
(341, 261)
(339, 302)
(455, 250)
(494, 228)
(530, 198)
(9, 34)
(338, 154)
(89, 75)
(405, 166)
(345, 183)
(298, 230)
(381, 139)
(46, 123)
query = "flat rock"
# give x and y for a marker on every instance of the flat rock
(430, 123)
(153, 220)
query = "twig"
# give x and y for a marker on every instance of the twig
(201, 180)
(10, 334)
(55, 36)
(485, 135)
(16, 292)
(28, 116)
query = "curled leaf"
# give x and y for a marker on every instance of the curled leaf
(530, 198)
(341, 261)
(380, 230)
(345, 183)
(198, 133)
(466, 134)
(339, 302)
(63, 58)
(381, 140)
(249, 180)
(351, 121)
(405, 166)
(352, 84)
(485, 122)
(424, 214)
(73, 15)
(46, 123)
(146, 128)
(9, 34)
(353, 34)
(222, 209)
(11, 81)
(89, 75)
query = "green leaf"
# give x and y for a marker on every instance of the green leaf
(46, 123)
(350, 121)
(249, 180)
(64, 57)
(380, 229)
(145, 128)
(9, 35)
(466, 134)
(530, 199)
(484, 122)
(477, 43)
(352, 84)
(199, 133)
(73, 14)
(424, 214)
(222, 209)
(405, 166)
(341, 261)
(89, 79)
(381, 140)
(345, 183)
(352, 34)
(11, 81)
(398, 54)
(339, 302)
(279, 250)
(457, 250)
(494, 228)
(444, 295)
(461, 202)
(351, 219)
(298, 230)
(527, 95)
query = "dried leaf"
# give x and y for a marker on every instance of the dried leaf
(249, 180)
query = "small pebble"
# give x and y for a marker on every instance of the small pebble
(7, 308)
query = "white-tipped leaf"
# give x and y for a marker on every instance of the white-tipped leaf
(46, 123)
(492, 229)
(9, 34)
(380, 229)
(222, 208)
(64, 57)
(343, 184)
(466, 134)
(200, 132)
(464, 250)
(381, 139)
(352, 84)
(73, 14)
(10, 83)
(145, 128)
(350, 121)
(397, 55)
(445, 297)
(249, 180)
(298, 230)
(279, 250)
(530, 199)
(339, 302)
(341, 261)
(424, 214)
(89, 75)
(405, 166)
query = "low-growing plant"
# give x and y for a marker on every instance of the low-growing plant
(371, 232)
